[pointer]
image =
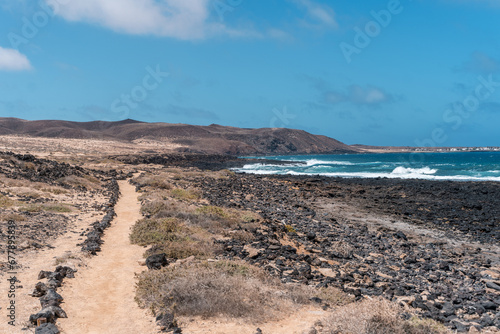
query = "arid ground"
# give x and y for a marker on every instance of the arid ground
(189, 246)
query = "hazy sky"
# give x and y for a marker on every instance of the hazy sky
(373, 72)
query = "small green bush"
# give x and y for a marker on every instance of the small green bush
(211, 210)
(185, 194)
(155, 231)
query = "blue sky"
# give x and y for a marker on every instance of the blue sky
(417, 73)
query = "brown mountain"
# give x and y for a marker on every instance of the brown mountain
(203, 139)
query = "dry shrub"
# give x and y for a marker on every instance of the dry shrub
(377, 316)
(226, 288)
(8, 182)
(91, 179)
(5, 202)
(212, 211)
(75, 181)
(57, 208)
(204, 218)
(241, 235)
(31, 208)
(60, 208)
(156, 182)
(27, 193)
(217, 219)
(334, 296)
(68, 259)
(154, 231)
(54, 190)
(12, 217)
(160, 208)
(185, 194)
(184, 248)
(172, 237)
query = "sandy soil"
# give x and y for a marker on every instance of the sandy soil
(299, 322)
(59, 147)
(31, 264)
(101, 298)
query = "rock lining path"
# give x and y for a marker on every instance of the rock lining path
(100, 299)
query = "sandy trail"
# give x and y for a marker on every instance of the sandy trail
(32, 263)
(100, 299)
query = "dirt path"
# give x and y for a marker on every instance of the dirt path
(100, 299)
(32, 263)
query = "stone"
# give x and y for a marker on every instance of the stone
(252, 252)
(44, 313)
(47, 328)
(311, 330)
(166, 321)
(156, 261)
(311, 236)
(40, 290)
(51, 298)
(460, 326)
(493, 285)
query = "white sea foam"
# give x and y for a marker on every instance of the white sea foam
(413, 171)
(320, 167)
(257, 171)
(377, 175)
(313, 162)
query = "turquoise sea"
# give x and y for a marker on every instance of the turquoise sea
(460, 166)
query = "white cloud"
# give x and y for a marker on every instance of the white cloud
(320, 14)
(480, 62)
(370, 96)
(181, 19)
(13, 60)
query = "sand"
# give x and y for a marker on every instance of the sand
(100, 299)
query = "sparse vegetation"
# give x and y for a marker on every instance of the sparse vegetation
(185, 194)
(55, 190)
(211, 210)
(67, 257)
(28, 193)
(58, 208)
(290, 229)
(76, 181)
(177, 226)
(155, 231)
(184, 248)
(334, 296)
(12, 216)
(5, 201)
(227, 288)
(156, 182)
(377, 316)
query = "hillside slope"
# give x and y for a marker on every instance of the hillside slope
(193, 138)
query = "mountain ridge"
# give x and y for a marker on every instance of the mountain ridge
(213, 138)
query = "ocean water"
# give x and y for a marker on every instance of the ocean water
(458, 166)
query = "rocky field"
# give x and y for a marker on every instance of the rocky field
(44, 198)
(453, 277)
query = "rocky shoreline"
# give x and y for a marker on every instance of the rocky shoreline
(318, 231)
(301, 242)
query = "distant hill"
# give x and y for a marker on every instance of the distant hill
(193, 138)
